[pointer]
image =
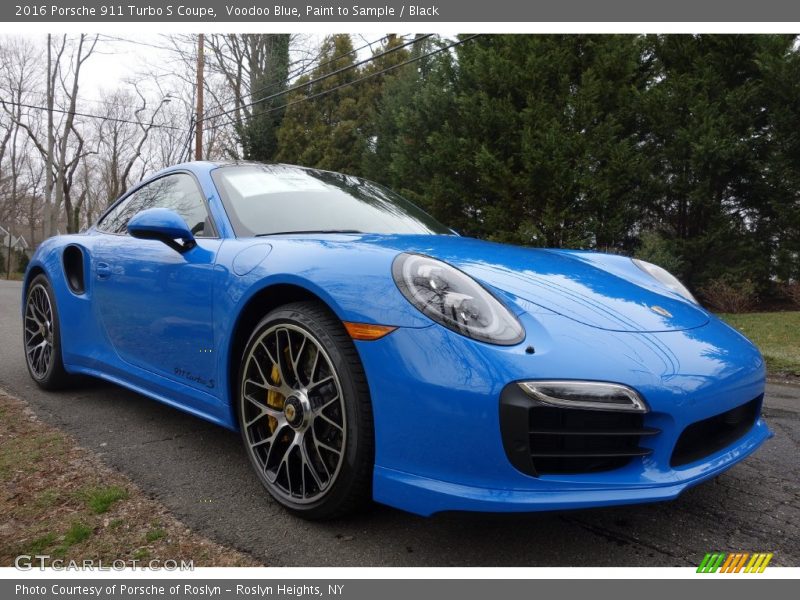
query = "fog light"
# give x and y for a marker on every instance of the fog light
(593, 395)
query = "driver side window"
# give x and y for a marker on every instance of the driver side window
(177, 192)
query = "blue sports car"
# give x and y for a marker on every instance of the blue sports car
(365, 351)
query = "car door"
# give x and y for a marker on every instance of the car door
(155, 303)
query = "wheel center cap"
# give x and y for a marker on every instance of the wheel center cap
(294, 411)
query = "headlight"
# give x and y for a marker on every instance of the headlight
(453, 299)
(665, 278)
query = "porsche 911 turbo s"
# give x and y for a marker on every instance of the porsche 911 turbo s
(365, 351)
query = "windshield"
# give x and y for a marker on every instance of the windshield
(273, 199)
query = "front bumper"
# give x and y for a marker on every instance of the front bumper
(425, 496)
(436, 407)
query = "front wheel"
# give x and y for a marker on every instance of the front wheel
(305, 413)
(42, 336)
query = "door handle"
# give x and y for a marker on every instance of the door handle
(103, 270)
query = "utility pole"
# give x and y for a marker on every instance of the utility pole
(8, 272)
(51, 143)
(198, 135)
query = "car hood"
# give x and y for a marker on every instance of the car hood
(602, 291)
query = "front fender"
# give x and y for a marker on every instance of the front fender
(355, 281)
(245, 269)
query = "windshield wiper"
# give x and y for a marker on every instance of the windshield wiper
(309, 231)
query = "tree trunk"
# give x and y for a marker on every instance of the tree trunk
(47, 230)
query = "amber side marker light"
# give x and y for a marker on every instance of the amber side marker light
(366, 332)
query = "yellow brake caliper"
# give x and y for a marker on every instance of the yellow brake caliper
(275, 399)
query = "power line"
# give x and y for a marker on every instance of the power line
(297, 72)
(42, 97)
(381, 72)
(112, 39)
(88, 115)
(187, 146)
(300, 71)
(365, 77)
(318, 79)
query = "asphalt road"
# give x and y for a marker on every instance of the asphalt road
(200, 472)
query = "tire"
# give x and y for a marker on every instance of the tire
(45, 365)
(305, 414)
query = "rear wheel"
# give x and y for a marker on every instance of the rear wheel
(305, 413)
(42, 336)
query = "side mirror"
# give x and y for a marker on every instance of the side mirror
(163, 225)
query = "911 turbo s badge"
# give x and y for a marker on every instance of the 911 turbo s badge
(660, 311)
(209, 383)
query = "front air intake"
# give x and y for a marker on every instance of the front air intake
(540, 439)
(711, 435)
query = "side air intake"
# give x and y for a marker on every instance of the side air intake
(73, 269)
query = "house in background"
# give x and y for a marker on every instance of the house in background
(15, 246)
(15, 242)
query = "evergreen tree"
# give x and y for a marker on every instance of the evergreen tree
(779, 212)
(323, 131)
(711, 135)
(414, 112)
(526, 139)
(372, 93)
(684, 149)
(259, 134)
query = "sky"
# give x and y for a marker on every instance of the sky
(122, 57)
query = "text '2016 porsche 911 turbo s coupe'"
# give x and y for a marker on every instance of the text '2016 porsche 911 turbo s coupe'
(365, 351)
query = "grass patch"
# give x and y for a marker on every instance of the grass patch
(777, 335)
(47, 498)
(40, 544)
(141, 554)
(154, 534)
(100, 499)
(78, 532)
